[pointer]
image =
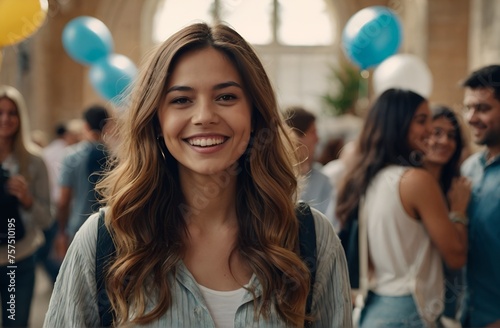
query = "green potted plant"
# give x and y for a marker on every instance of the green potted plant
(351, 87)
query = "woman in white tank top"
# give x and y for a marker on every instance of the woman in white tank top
(408, 229)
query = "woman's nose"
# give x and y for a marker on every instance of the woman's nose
(204, 114)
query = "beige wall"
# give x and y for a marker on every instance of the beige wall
(57, 88)
(448, 49)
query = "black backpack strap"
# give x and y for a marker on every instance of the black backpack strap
(349, 237)
(105, 249)
(307, 244)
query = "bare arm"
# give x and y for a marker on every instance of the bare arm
(63, 206)
(422, 198)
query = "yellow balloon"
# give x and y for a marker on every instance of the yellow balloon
(20, 18)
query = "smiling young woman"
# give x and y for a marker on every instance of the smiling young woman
(201, 204)
(24, 202)
(446, 144)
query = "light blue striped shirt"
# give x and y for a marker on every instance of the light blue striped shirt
(74, 301)
(483, 268)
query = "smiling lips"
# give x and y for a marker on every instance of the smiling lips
(441, 150)
(206, 141)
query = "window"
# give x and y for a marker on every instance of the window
(287, 22)
(304, 23)
(294, 38)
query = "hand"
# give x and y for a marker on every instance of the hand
(17, 186)
(61, 244)
(459, 194)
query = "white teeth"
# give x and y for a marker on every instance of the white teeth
(205, 142)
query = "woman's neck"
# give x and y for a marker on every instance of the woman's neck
(210, 200)
(434, 169)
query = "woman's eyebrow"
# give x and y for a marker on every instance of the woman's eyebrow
(226, 85)
(178, 88)
(216, 87)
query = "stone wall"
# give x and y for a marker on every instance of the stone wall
(57, 88)
(447, 49)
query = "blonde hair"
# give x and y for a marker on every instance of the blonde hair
(144, 195)
(23, 146)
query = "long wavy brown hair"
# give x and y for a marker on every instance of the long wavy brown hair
(382, 142)
(144, 195)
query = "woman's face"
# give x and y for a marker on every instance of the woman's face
(9, 118)
(205, 116)
(420, 128)
(442, 141)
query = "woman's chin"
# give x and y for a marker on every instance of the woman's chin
(436, 159)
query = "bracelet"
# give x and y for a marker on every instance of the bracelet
(457, 217)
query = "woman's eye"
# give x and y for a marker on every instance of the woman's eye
(180, 100)
(226, 97)
(437, 132)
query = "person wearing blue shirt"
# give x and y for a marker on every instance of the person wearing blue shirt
(315, 189)
(482, 104)
(81, 166)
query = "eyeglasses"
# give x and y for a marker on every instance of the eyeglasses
(439, 133)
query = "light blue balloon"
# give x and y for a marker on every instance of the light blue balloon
(372, 35)
(111, 75)
(86, 39)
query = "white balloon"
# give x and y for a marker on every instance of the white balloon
(403, 71)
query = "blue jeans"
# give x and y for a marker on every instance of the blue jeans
(43, 254)
(454, 292)
(16, 292)
(390, 312)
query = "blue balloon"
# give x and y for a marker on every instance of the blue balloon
(86, 40)
(372, 35)
(111, 75)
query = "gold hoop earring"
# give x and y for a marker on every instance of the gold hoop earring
(161, 146)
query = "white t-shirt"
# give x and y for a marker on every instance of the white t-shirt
(222, 305)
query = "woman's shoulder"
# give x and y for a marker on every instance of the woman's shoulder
(417, 176)
(85, 240)
(326, 237)
(37, 165)
(418, 187)
(36, 159)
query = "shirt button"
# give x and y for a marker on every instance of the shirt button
(197, 313)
